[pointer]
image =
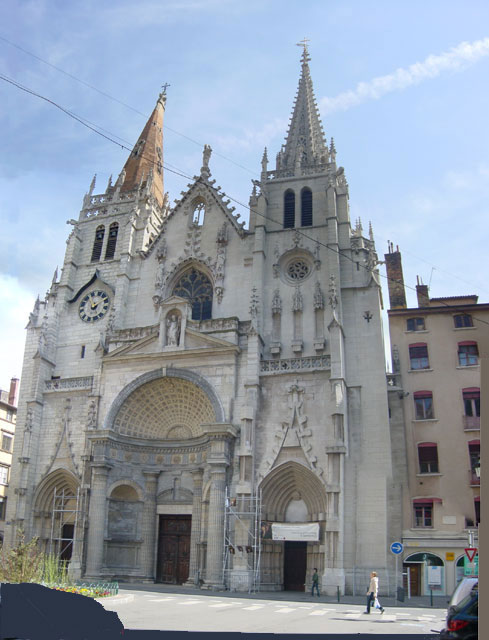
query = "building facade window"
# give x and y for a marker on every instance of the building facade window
(423, 405)
(4, 474)
(3, 507)
(196, 287)
(423, 513)
(468, 354)
(98, 243)
(7, 442)
(428, 457)
(475, 461)
(463, 320)
(112, 241)
(418, 356)
(415, 324)
(472, 407)
(477, 508)
(306, 207)
(10, 415)
(289, 209)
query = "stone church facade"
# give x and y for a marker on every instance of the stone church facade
(182, 364)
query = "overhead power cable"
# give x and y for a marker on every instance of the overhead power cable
(124, 104)
(128, 106)
(182, 174)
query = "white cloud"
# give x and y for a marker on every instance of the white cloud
(17, 302)
(456, 59)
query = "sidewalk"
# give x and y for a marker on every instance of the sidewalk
(439, 602)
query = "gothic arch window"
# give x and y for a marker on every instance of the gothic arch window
(198, 212)
(197, 288)
(289, 209)
(97, 243)
(112, 241)
(306, 207)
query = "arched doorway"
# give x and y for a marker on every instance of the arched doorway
(292, 497)
(57, 509)
(426, 573)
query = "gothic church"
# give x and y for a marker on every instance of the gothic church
(205, 403)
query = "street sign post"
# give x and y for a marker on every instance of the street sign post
(397, 548)
(471, 553)
(471, 568)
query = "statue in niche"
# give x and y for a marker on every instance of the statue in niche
(173, 330)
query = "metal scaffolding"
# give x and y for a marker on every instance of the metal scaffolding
(243, 512)
(64, 520)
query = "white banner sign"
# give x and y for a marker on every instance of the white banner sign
(291, 531)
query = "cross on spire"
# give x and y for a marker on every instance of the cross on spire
(165, 86)
(305, 52)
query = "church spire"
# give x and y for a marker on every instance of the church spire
(147, 155)
(305, 144)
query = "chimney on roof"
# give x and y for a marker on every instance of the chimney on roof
(13, 393)
(422, 293)
(395, 278)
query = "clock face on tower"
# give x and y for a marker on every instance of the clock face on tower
(93, 306)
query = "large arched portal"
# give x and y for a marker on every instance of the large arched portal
(292, 496)
(158, 436)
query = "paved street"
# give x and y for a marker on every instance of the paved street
(139, 609)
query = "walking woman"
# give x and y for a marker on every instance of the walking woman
(372, 592)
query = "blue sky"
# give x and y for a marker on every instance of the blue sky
(401, 86)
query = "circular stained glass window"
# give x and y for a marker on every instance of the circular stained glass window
(298, 270)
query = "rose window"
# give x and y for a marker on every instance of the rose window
(298, 270)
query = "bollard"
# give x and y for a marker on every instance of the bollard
(431, 597)
(338, 593)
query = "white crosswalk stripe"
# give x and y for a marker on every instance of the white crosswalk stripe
(320, 612)
(254, 607)
(189, 602)
(285, 610)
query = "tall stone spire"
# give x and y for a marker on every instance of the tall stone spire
(146, 159)
(305, 145)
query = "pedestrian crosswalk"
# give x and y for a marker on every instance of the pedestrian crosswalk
(288, 608)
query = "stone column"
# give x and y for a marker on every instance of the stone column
(218, 457)
(96, 520)
(196, 527)
(215, 529)
(148, 525)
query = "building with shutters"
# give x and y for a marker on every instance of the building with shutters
(436, 349)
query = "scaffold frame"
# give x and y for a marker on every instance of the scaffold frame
(64, 513)
(246, 510)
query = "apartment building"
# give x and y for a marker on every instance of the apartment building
(436, 363)
(8, 414)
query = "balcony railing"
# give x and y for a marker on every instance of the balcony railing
(474, 478)
(471, 422)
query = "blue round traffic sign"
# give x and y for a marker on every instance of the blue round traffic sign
(397, 548)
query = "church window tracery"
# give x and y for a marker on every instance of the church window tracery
(306, 207)
(97, 244)
(199, 213)
(197, 288)
(112, 241)
(289, 209)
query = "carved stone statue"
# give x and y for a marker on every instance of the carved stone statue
(173, 330)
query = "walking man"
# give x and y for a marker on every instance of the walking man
(315, 582)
